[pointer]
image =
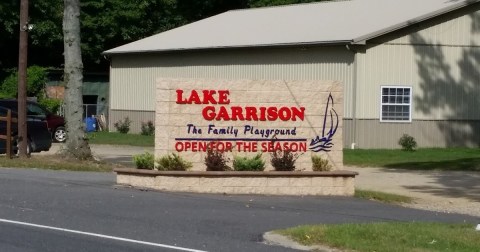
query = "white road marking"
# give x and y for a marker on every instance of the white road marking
(100, 236)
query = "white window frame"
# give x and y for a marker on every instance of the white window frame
(393, 104)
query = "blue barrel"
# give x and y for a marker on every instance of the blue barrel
(90, 124)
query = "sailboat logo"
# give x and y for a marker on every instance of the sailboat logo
(330, 125)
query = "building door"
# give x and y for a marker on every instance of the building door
(89, 105)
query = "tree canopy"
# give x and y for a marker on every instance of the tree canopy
(105, 24)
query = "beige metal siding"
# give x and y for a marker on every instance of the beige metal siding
(131, 90)
(133, 76)
(445, 80)
(439, 59)
(376, 135)
(380, 66)
(137, 117)
(457, 28)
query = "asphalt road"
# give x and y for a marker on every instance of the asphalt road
(71, 211)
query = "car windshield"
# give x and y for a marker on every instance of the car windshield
(33, 109)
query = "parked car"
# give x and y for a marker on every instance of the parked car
(39, 137)
(56, 123)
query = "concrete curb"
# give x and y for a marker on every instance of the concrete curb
(272, 238)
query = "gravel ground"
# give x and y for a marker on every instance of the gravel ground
(442, 191)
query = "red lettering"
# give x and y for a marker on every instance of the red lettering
(194, 98)
(251, 113)
(180, 99)
(208, 113)
(194, 146)
(272, 114)
(296, 112)
(179, 146)
(237, 114)
(262, 114)
(223, 97)
(208, 97)
(203, 146)
(228, 146)
(284, 114)
(222, 114)
(211, 145)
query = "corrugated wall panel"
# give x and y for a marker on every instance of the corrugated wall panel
(456, 28)
(376, 135)
(133, 76)
(128, 92)
(382, 65)
(439, 59)
(137, 117)
(445, 80)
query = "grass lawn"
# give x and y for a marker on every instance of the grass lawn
(393, 236)
(464, 159)
(56, 162)
(383, 197)
(115, 138)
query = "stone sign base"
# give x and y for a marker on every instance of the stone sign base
(338, 183)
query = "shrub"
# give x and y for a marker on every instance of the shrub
(51, 104)
(148, 129)
(249, 164)
(144, 161)
(320, 164)
(123, 126)
(216, 161)
(36, 79)
(283, 160)
(9, 86)
(407, 142)
(173, 163)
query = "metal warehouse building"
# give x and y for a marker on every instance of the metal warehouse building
(407, 66)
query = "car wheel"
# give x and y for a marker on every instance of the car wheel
(60, 135)
(16, 147)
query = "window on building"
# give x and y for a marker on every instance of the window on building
(396, 104)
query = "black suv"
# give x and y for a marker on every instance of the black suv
(55, 123)
(38, 136)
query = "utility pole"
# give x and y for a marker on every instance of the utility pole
(22, 79)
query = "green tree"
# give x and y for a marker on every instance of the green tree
(9, 18)
(36, 79)
(45, 39)
(110, 23)
(193, 10)
(105, 24)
